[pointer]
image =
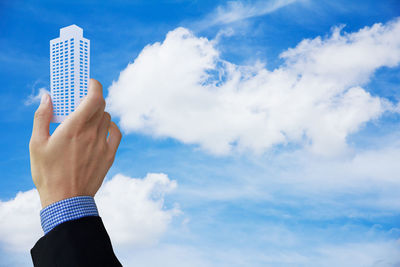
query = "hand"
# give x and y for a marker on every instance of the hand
(74, 160)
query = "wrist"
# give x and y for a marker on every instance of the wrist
(67, 210)
(50, 199)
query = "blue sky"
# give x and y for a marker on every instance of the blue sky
(307, 194)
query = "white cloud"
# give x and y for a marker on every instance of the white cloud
(132, 210)
(181, 88)
(35, 98)
(20, 221)
(235, 11)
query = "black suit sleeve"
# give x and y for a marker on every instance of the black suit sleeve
(81, 242)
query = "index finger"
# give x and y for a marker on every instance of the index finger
(93, 102)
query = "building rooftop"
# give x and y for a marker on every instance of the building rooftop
(72, 29)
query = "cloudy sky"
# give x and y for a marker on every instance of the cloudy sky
(256, 133)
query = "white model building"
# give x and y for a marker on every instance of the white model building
(69, 71)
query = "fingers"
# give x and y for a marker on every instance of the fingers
(41, 122)
(114, 138)
(92, 103)
(98, 115)
(104, 125)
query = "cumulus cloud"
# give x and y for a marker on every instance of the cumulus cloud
(20, 221)
(132, 210)
(182, 88)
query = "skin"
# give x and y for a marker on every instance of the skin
(74, 160)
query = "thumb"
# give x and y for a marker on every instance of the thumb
(43, 115)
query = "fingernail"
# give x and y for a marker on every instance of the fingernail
(44, 99)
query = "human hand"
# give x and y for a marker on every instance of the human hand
(74, 160)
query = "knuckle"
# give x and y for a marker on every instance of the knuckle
(119, 134)
(107, 120)
(98, 99)
(116, 129)
(39, 114)
(107, 116)
(35, 145)
(73, 131)
(101, 102)
(91, 136)
(32, 144)
(101, 149)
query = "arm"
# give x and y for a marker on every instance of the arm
(68, 168)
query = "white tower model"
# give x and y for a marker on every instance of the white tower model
(69, 71)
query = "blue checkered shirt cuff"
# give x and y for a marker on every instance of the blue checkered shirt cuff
(67, 210)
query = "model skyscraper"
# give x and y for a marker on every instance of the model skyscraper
(69, 71)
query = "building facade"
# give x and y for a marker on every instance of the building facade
(69, 71)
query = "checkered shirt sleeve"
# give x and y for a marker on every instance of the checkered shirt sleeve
(67, 210)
